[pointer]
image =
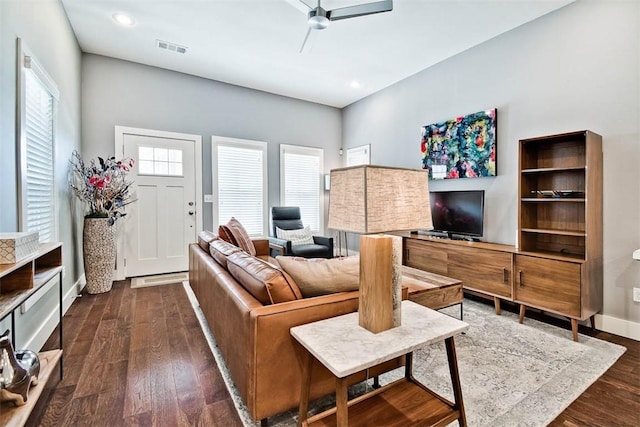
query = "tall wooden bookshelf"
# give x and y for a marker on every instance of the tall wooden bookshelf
(558, 265)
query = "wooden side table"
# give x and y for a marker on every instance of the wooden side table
(345, 348)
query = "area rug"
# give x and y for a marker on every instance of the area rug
(511, 374)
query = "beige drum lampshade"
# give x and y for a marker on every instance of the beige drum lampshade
(374, 199)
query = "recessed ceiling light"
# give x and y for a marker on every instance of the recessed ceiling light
(123, 19)
(354, 84)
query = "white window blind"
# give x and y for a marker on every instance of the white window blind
(301, 183)
(37, 134)
(240, 168)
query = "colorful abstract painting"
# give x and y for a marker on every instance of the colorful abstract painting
(464, 147)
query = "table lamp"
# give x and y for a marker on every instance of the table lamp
(375, 199)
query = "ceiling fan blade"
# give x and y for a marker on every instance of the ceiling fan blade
(360, 10)
(306, 4)
(300, 5)
(304, 42)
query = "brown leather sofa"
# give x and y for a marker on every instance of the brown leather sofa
(263, 359)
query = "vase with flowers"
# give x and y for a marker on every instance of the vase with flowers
(102, 185)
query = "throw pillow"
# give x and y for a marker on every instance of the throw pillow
(240, 235)
(319, 276)
(301, 236)
(224, 232)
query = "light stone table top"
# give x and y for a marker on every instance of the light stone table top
(345, 348)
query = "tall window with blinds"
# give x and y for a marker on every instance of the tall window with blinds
(37, 111)
(301, 183)
(240, 183)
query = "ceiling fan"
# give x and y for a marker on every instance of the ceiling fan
(319, 18)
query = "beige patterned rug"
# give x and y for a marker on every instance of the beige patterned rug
(511, 374)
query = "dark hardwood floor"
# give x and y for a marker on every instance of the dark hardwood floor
(138, 357)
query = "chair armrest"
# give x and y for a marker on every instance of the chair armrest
(275, 250)
(281, 245)
(324, 241)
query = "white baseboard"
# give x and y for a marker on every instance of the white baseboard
(622, 327)
(43, 333)
(73, 292)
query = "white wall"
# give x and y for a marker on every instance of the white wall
(574, 69)
(43, 26)
(117, 92)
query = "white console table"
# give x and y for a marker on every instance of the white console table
(345, 348)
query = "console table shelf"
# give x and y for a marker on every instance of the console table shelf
(19, 282)
(17, 416)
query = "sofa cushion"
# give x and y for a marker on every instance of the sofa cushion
(319, 276)
(220, 251)
(205, 237)
(266, 283)
(298, 237)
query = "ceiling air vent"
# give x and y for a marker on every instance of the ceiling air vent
(171, 46)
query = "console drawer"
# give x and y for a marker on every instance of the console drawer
(426, 256)
(482, 270)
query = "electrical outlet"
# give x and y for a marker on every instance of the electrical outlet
(636, 294)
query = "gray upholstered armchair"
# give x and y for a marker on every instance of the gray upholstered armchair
(288, 218)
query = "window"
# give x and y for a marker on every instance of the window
(301, 183)
(159, 161)
(38, 95)
(240, 183)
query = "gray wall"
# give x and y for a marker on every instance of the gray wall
(574, 69)
(43, 26)
(116, 92)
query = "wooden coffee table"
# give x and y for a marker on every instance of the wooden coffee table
(432, 290)
(345, 348)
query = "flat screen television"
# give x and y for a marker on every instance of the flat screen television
(458, 213)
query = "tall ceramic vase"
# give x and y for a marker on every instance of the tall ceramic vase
(99, 247)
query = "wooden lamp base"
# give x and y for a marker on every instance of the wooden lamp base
(380, 282)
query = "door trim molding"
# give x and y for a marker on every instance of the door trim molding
(120, 272)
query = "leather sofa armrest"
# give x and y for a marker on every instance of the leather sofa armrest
(262, 246)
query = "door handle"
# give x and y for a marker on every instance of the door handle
(520, 278)
(190, 203)
(191, 212)
(504, 275)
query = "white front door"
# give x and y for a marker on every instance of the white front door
(163, 220)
